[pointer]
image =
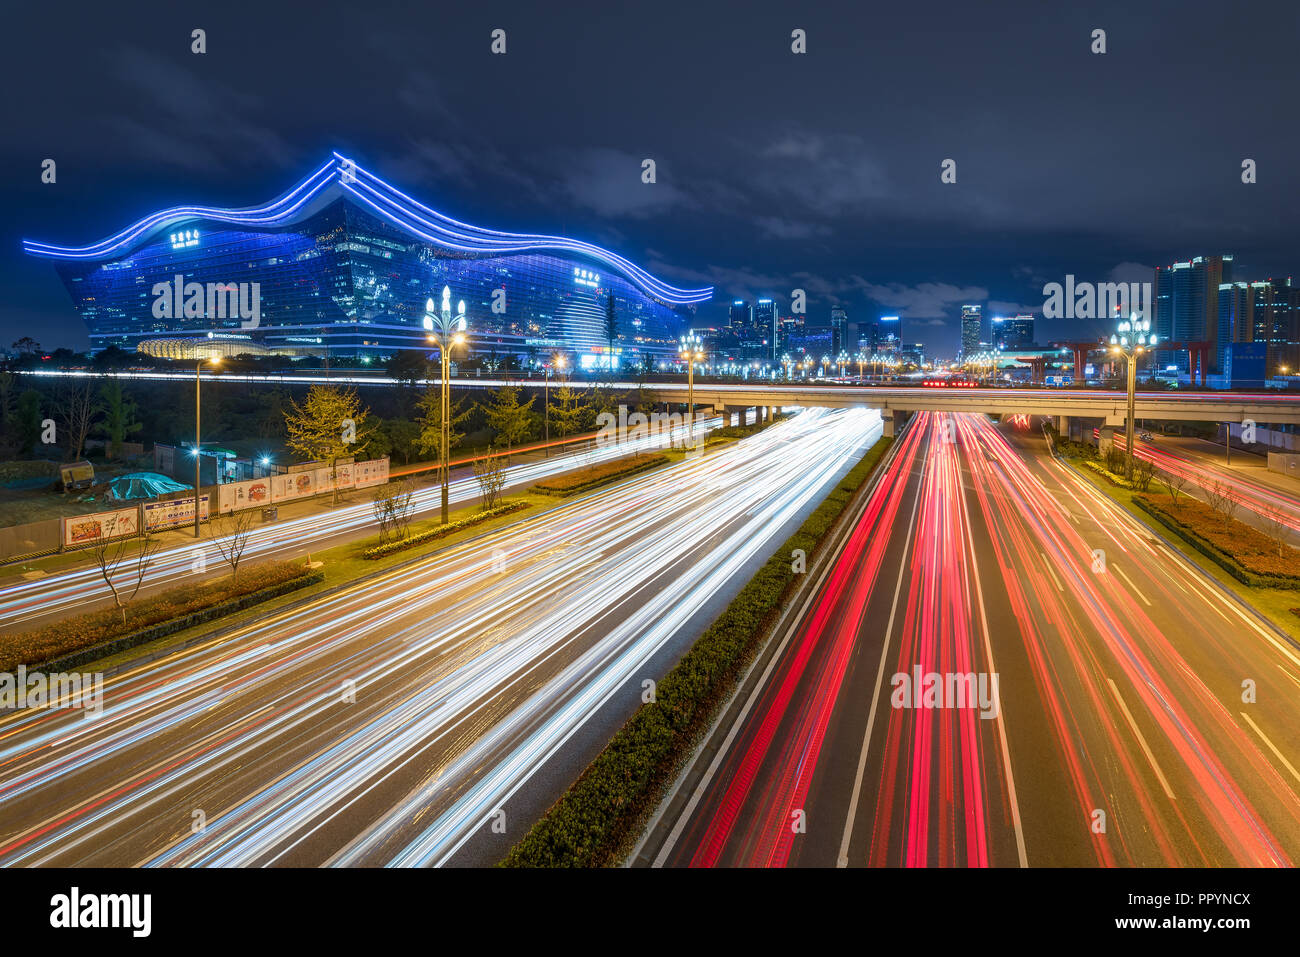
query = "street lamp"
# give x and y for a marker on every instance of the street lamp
(842, 361)
(862, 361)
(444, 331)
(198, 458)
(692, 350)
(1133, 336)
(826, 361)
(558, 361)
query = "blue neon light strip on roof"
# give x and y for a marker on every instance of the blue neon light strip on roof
(271, 214)
(387, 202)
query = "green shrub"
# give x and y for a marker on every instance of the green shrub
(153, 616)
(586, 479)
(1240, 549)
(440, 531)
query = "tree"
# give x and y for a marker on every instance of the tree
(407, 367)
(77, 410)
(611, 327)
(569, 410)
(112, 357)
(490, 473)
(1144, 471)
(1276, 526)
(110, 554)
(230, 533)
(509, 418)
(330, 424)
(28, 426)
(429, 438)
(402, 435)
(393, 506)
(8, 412)
(119, 416)
(27, 345)
(1176, 484)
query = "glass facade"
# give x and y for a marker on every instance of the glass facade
(352, 278)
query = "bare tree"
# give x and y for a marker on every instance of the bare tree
(1223, 499)
(230, 533)
(1176, 484)
(111, 553)
(77, 409)
(1144, 471)
(1277, 528)
(490, 474)
(393, 506)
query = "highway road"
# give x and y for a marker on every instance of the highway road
(425, 716)
(1140, 716)
(29, 603)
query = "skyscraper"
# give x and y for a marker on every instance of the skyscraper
(741, 316)
(1014, 332)
(765, 327)
(889, 334)
(972, 321)
(839, 330)
(1187, 305)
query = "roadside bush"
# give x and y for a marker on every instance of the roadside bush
(1242, 550)
(589, 478)
(175, 605)
(439, 531)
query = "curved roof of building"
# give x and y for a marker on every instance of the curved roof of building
(341, 176)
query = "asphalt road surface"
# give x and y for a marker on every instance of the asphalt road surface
(425, 716)
(1142, 716)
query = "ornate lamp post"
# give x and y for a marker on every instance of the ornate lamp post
(198, 457)
(1133, 337)
(692, 351)
(444, 331)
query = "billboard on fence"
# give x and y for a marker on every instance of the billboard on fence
(286, 488)
(373, 472)
(174, 511)
(240, 495)
(101, 526)
(277, 489)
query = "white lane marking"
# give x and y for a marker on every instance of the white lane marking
(1048, 565)
(1135, 588)
(1146, 749)
(843, 859)
(1272, 747)
(1001, 721)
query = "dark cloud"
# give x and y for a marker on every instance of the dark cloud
(775, 171)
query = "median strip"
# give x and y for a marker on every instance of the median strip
(596, 821)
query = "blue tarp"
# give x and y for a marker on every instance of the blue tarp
(136, 485)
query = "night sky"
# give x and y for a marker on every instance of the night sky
(775, 171)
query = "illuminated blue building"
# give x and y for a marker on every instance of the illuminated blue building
(345, 262)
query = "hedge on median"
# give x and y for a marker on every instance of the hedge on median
(440, 531)
(102, 632)
(599, 817)
(589, 478)
(1242, 550)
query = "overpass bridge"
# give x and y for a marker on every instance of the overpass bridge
(894, 402)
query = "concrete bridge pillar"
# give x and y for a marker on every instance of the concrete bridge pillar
(1063, 425)
(893, 421)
